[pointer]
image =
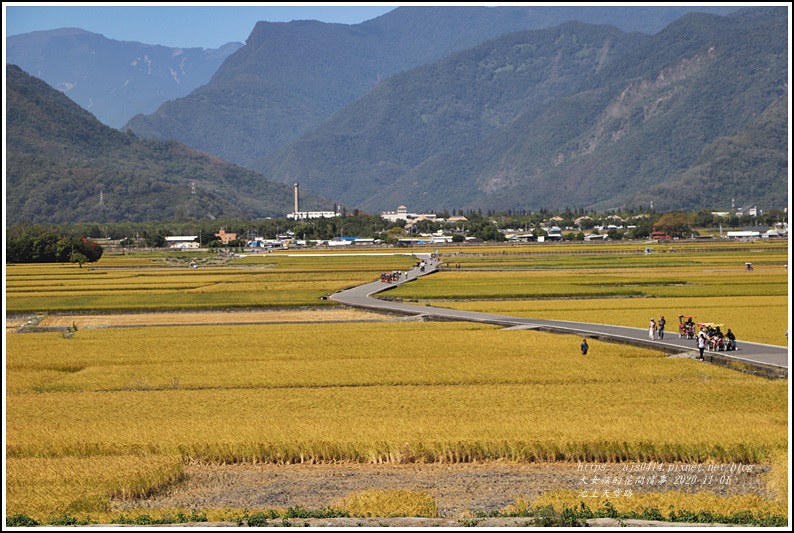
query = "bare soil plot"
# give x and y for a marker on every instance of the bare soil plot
(459, 489)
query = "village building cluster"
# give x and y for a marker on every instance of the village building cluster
(454, 230)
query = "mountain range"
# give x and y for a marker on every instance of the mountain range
(367, 153)
(576, 116)
(290, 77)
(439, 109)
(114, 80)
(63, 165)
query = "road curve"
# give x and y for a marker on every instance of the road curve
(773, 359)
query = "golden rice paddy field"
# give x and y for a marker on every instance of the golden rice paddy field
(152, 283)
(116, 413)
(713, 288)
(363, 392)
(229, 317)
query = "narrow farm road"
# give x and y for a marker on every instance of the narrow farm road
(769, 359)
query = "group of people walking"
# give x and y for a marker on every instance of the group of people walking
(389, 277)
(397, 275)
(709, 338)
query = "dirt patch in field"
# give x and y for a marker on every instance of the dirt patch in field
(458, 489)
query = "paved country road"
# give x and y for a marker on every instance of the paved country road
(773, 359)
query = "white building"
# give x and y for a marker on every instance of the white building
(749, 211)
(593, 237)
(182, 241)
(743, 234)
(554, 233)
(303, 215)
(520, 237)
(403, 214)
(394, 216)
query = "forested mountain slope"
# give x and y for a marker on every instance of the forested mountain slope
(642, 118)
(63, 165)
(457, 102)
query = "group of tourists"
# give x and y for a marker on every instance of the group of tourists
(714, 340)
(391, 277)
(710, 337)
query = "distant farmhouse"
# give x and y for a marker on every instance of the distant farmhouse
(226, 237)
(554, 234)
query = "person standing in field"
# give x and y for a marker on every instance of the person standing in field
(661, 324)
(584, 346)
(651, 329)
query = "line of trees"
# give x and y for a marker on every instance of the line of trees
(39, 244)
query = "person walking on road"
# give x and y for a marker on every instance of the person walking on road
(651, 329)
(661, 324)
(584, 346)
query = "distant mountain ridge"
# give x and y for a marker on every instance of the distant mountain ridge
(578, 115)
(647, 114)
(290, 77)
(63, 165)
(114, 80)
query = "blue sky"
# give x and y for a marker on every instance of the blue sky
(204, 25)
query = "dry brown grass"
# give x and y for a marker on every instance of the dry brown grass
(375, 502)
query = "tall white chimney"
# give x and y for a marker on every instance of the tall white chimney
(296, 199)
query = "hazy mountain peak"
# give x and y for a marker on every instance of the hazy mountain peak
(114, 79)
